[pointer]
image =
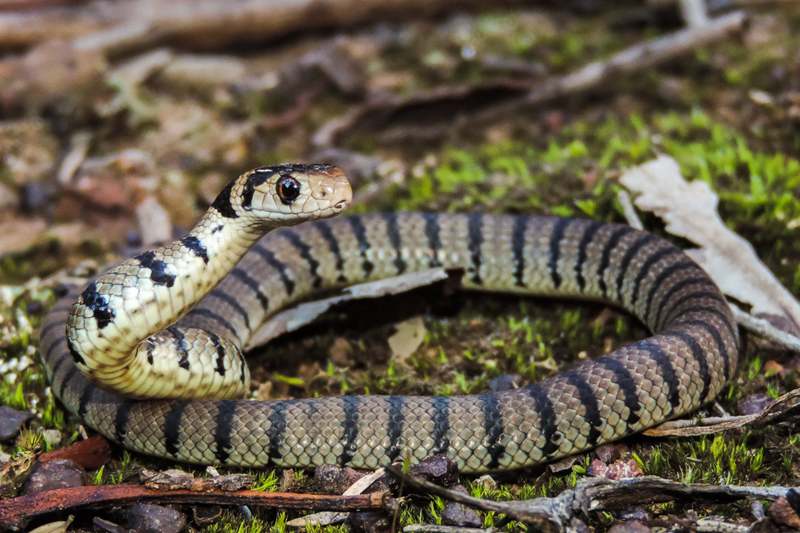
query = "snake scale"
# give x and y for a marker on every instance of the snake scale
(693, 353)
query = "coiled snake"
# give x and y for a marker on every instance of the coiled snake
(126, 330)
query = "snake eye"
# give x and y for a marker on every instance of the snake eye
(288, 189)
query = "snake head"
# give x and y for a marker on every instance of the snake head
(288, 194)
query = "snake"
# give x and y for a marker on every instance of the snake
(150, 355)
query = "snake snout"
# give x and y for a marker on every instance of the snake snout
(336, 191)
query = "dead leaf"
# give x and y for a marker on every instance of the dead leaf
(54, 527)
(409, 336)
(690, 211)
(296, 317)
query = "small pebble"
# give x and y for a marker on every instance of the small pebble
(144, 518)
(616, 470)
(611, 452)
(784, 510)
(630, 526)
(11, 421)
(637, 513)
(505, 382)
(332, 479)
(52, 475)
(370, 522)
(288, 481)
(458, 514)
(437, 469)
(754, 404)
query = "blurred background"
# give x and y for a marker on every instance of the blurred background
(120, 121)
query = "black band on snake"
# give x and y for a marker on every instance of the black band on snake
(172, 323)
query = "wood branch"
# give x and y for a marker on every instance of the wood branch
(14, 512)
(630, 61)
(554, 515)
(508, 98)
(783, 409)
(120, 27)
(763, 328)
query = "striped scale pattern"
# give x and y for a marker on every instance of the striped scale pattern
(692, 355)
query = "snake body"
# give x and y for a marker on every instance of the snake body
(693, 353)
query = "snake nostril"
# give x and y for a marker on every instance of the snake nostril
(340, 204)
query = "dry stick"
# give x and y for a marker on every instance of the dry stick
(553, 515)
(763, 328)
(783, 407)
(15, 511)
(630, 61)
(122, 27)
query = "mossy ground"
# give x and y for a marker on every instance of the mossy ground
(564, 161)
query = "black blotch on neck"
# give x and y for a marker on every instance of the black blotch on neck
(158, 269)
(196, 247)
(98, 303)
(223, 202)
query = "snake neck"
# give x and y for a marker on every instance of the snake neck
(110, 327)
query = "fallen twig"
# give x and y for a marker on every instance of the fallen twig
(504, 98)
(554, 515)
(629, 61)
(782, 407)
(120, 27)
(763, 328)
(14, 512)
